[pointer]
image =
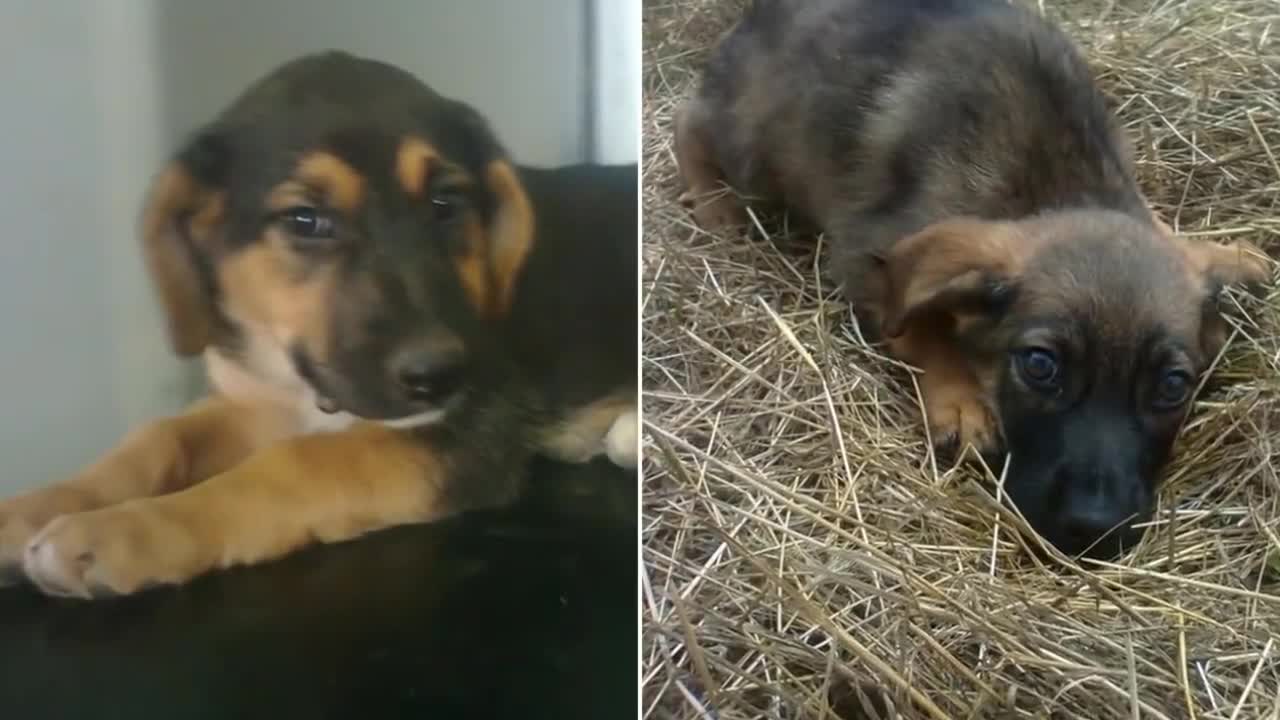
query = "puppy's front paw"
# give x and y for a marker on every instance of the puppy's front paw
(16, 530)
(113, 551)
(1255, 268)
(24, 516)
(622, 441)
(958, 420)
(715, 211)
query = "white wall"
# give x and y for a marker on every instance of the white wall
(521, 63)
(615, 94)
(96, 94)
(61, 204)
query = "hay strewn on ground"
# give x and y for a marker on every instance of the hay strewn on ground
(797, 532)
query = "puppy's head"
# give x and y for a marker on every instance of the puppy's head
(1087, 331)
(344, 214)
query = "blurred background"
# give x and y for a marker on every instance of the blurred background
(97, 93)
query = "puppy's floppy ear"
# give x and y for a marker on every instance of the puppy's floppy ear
(961, 266)
(184, 207)
(1220, 266)
(511, 231)
(509, 219)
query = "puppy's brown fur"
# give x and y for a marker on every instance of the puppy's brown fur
(984, 219)
(394, 318)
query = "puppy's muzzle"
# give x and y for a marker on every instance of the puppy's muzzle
(428, 370)
(1098, 510)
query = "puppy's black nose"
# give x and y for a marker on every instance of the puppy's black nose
(1094, 523)
(429, 371)
(1099, 525)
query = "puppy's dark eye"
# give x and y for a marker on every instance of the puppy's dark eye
(447, 205)
(308, 224)
(1038, 368)
(1173, 390)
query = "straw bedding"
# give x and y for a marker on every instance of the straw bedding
(798, 535)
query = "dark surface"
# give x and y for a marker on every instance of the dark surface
(526, 613)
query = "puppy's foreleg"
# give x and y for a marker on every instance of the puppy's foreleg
(160, 457)
(714, 207)
(954, 401)
(312, 488)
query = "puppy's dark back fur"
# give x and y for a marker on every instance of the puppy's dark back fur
(573, 319)
(901, 113)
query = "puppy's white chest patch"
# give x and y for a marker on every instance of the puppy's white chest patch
(257, 376)
(263, 373)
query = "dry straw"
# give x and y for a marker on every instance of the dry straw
(797, 532)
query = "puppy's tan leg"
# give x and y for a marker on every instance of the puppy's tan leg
(160, 457)
(714, 207)
(954, 401)
(327, 488)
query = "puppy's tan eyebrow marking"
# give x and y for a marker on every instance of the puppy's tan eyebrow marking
(415, 160)
(289, 194)
(338, 184)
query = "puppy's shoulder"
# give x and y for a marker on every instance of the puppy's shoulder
(573, 319)
(584, 208)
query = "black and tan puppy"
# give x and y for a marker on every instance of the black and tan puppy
(394, 318)
(984, 218)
